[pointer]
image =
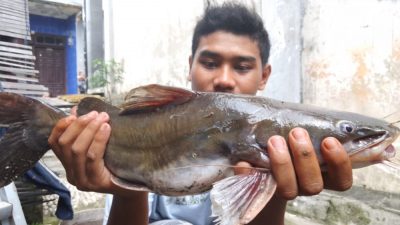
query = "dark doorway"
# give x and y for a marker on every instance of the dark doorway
(50, 61)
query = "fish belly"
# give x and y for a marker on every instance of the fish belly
(192, 179)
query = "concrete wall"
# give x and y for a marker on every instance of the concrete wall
(153, 39)
(351, 56)
(283, 20)
(351, 61)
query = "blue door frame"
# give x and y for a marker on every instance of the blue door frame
(66, 28)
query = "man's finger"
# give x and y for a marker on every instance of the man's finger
(305, 162)
(339, 176)
(282, 167)
(81, 147)
(57, 131)
(72, 132)
(95, 167)
(74, 110)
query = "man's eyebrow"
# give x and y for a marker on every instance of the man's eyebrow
(207, 53)
(211, 54)
(246, 58)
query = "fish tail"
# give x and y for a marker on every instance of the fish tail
(238, 199)
(27, 123)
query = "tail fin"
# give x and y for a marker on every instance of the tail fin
(28, 124)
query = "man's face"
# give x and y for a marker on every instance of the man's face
(225, 62)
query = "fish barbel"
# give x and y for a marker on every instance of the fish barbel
(173, 141)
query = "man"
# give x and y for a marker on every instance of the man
(230, 51)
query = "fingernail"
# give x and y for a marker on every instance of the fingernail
(278, 142)
(330, 144)
(102, 116)
(299, 134)
(104, 127)
(90, 115)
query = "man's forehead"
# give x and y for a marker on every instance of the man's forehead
(221, 43)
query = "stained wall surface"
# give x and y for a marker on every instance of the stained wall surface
(351, 55)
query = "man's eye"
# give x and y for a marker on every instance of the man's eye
(243, 68)
(209, 64)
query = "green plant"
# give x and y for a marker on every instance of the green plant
(106, 75)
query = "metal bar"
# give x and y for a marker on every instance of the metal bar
(9, 194)
(5, 210)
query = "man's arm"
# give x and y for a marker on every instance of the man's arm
(125, 210)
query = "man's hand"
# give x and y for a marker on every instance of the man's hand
(297, 171)
(80, 143)
(296, 168)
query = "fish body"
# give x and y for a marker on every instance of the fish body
(177, 142)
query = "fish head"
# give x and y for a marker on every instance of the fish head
(367, 140)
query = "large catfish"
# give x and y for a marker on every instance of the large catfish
(173, 141)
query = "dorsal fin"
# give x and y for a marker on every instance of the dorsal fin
(89, 104)
(153, 96)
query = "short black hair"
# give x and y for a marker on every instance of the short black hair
(233, 18)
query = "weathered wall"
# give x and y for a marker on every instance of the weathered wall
(351, 61)
(283, 21)
(153, 39)
(351, 56)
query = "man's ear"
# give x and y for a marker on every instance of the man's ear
(264, 77)
(190, 68)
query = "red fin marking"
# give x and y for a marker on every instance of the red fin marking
(153, 96)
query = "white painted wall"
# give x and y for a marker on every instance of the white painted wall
(351, 57)
(153, 39)
(351, 61)
(283, 21)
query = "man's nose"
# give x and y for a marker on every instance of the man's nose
(225, 80)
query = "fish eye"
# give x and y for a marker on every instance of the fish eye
(347, 127)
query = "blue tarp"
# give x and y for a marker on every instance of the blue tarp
(44, 178)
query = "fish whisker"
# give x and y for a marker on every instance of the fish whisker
(394, 116)
(390, 114)
(391, 164)
(392, 123)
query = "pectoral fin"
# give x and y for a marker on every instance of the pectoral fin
(238, 199)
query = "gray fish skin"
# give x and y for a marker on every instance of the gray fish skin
(185, 148)
(180, 149)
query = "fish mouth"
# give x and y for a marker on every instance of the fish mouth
(370, 141)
